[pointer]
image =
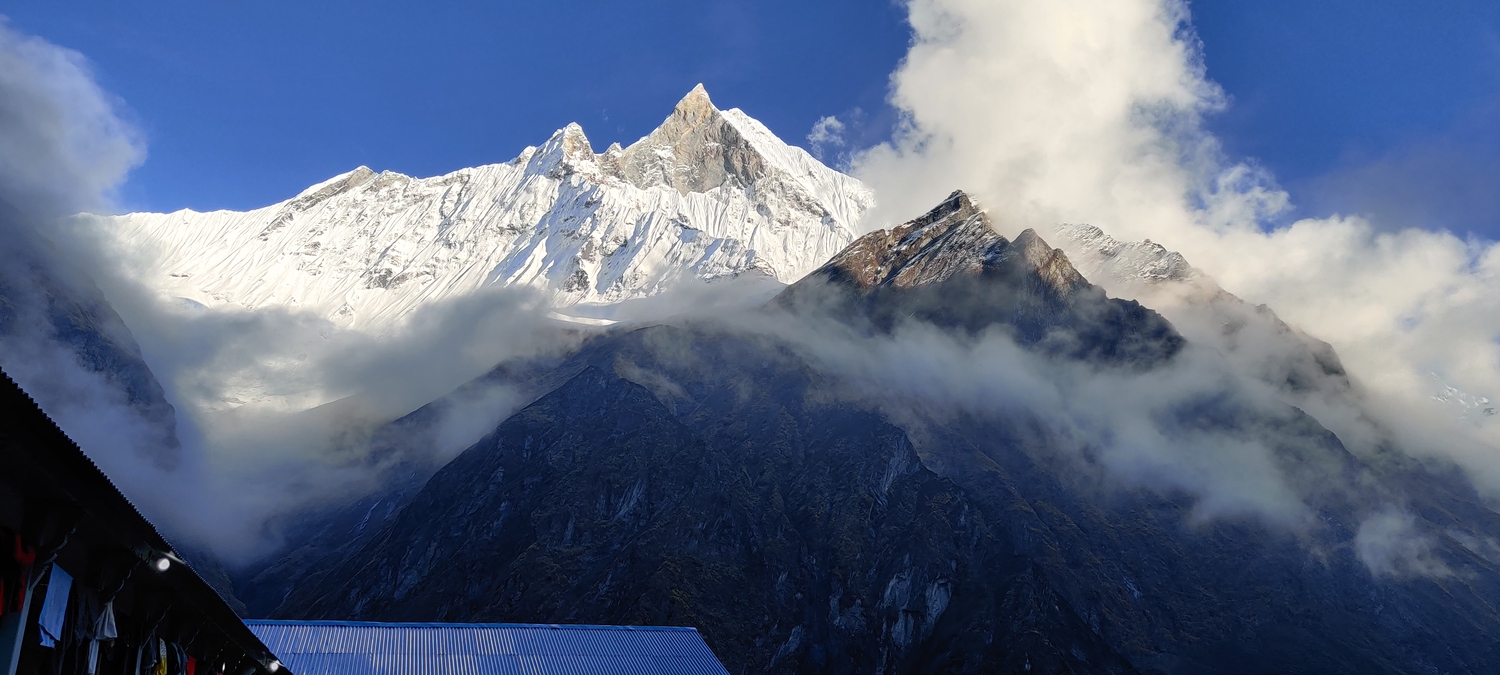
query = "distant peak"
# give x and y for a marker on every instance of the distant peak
(694, 150)
(1128, 262)
(697, 99)
(570, 135)
(567, 150)
(1029, 238)
(955, 209)
(959, 201)
(337, 184)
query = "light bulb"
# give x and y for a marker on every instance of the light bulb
(162, 564)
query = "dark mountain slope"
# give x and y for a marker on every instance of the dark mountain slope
(807, 522)
(404, 453)
(816, 543)
(50, 310)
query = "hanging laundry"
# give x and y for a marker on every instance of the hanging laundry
(86, 610)
(55, 607)
(161, 659)
(145, 655)
(103, 628)
(179, 660)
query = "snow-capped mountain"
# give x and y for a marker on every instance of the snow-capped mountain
(708, 194)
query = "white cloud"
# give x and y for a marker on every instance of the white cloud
(1390, 544)
(827, 134)
(64, 146)
(1092, 111)
(276, 407)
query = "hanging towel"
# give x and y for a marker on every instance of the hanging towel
(55, 607)
(103, 629)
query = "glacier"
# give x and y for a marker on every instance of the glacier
(710, 194)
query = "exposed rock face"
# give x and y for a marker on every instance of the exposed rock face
(731, 486)
(951, 268)
(695, 150)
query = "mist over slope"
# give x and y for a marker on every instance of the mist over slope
(943, 449)
(64, 151)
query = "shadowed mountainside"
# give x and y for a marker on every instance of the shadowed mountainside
(705, 474)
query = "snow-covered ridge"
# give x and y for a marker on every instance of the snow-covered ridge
(1463, 404)
(709, 194)
(1097, 254)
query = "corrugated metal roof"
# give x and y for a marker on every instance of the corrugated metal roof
(360, 648)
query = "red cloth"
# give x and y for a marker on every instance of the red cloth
(15, 573)
(192, 665)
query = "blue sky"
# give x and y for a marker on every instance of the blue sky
(1380, 106)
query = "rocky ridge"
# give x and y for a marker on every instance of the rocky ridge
(951, 268)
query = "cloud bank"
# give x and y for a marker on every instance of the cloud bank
(272, 408)
(280, 407)
(1093, 111)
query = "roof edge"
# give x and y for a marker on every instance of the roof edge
(438, 624)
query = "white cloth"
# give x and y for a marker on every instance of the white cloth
(104, 629)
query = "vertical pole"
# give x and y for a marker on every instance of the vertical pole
(12, 633)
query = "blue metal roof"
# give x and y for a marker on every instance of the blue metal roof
(360, 648)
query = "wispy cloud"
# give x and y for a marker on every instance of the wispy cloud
(1092, 111)
(64, 146)
(827, 135)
